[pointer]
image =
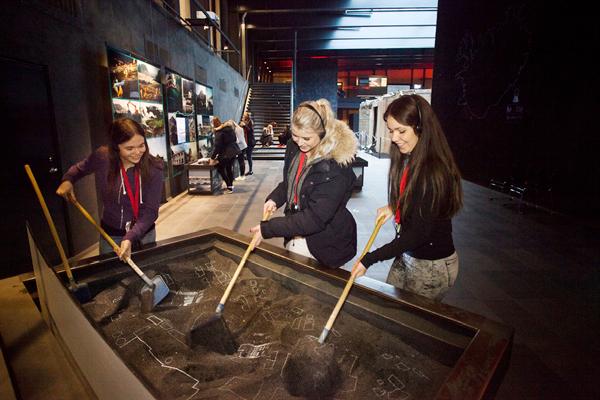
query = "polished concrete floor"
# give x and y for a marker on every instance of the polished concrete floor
(532, 270)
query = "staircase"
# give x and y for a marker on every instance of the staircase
(269, 102)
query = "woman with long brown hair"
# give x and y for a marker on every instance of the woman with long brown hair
(424, 193)
(130, 182)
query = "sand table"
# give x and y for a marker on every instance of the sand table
(266, 321)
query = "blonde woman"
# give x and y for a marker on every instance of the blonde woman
(317, 184)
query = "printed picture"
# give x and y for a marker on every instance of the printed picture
(209, 101)
(157, 147)
(173, 93)
(153, 120)
(191, 129)
(187, 89)
(123, 76)
(149, 81)
(123, 108)
(201, 107)
(178, 129)
(181, 154)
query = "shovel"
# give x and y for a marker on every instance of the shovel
(155, 289)
(80, 290)
(215, 327)
(380, 220)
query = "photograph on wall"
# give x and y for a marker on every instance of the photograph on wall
(209, 100)
(191, 129)
(124, 108)
(149, 80)
(178, 129)
(187, 91)
(123, 75)
(201, 107)
(153, 120)
(204, 125)
(173, 92)
(181, 154)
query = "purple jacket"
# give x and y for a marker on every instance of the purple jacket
(117, 209)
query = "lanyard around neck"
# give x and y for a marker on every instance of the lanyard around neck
(134, 197)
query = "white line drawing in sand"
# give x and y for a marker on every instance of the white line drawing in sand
(347, 364)
(236, 382)
(395, 389)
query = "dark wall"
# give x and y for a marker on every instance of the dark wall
(70, 38)
(515, 93)
(316, 79)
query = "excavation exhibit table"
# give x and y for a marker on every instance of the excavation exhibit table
(386, 343)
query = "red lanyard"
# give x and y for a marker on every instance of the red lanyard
(402, 187)
(300, 165)
(133, 198)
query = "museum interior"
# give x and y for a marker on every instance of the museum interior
(515, 99)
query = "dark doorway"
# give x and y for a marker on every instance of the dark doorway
(30, 138)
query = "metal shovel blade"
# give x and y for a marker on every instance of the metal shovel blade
(152, 295)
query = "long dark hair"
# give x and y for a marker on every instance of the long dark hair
(431, 163)
(122, 130)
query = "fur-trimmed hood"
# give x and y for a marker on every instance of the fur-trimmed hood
(339, 144)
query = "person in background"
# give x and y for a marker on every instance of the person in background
(130, 182)
(224, 152)
(424, 193)
(241, 142)
(266, 138)
(248, 126)
(317, 184)
(284, 136)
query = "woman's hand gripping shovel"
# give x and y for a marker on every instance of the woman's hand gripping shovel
(155, 289)
(214, 328)
(80, 290)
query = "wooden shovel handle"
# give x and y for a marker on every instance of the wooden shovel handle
(110, 241)
(342, 299)
(40, 197)
(251, 246)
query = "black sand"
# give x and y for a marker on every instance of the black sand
(265, 323)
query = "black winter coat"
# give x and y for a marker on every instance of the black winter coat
(323, 219)
(225, 144)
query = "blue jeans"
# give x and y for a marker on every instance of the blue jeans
(248, 152)
(105, 248)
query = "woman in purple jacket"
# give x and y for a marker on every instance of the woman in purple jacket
(130, 182)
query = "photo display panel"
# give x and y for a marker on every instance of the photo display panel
(136, 93)
(181, 122)
(204, 111)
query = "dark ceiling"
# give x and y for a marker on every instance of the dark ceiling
(359, 34)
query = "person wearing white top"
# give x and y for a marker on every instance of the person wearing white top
(241, 142)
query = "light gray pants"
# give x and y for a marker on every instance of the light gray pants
(105, 248)
(429, 278)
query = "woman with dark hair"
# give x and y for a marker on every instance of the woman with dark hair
(424, 193)
(225, 151)
(129, 180)
(317, 184)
